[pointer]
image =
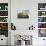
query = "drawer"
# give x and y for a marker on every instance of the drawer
(3, 41)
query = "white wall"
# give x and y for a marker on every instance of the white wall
(32, 5)
(23, 24)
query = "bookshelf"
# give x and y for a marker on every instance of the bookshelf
(4, 19)
(42, 19)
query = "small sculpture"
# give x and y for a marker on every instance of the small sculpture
(13, 27)
(31, 27)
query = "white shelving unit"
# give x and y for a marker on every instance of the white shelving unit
(4, 23)
(3, 10)
(42, 18)
(41, 22)
(42, 10)
(4, 17)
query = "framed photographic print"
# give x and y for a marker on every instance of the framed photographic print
(23, 14)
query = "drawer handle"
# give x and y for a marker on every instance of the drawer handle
(1, 39)
(43, 39)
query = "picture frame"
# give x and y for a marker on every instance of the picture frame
(22, 14)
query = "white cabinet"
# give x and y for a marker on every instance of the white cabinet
(3, 40)
(42, 24)
(42, 19)
(4, 21)
(41, 41)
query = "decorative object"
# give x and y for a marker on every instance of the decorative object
(4, 29)
(3, 19)
(42, 25)
(42, 32)
(3, 13)
(6, 7)
(41, 19)
(31, 27)
(13, 27)
(41, 6)
(41, 13)
(3, 6)
(4, 26)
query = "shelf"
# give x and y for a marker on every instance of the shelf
(42, 16)
(4, 19)
(42, 19)
(41, 28)
(41, 10)
(3, 16)
(41, 22)
(3, 10)
(3, 22)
